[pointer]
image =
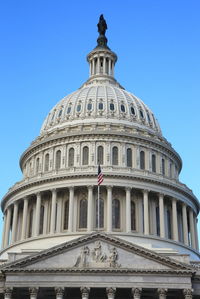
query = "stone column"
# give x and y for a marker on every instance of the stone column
(174, 220)
(4, 230)
(71, 209)
(59, 293)
(90, 209)
(136, 292)
(59, 215)
(162, 293)
(85, 292)
(192, 234)
(33, 293)
(92, 67)
(146, 212)
(45, 226)
(128, 210)
(24, 218)
(8, 218)
(37, 216)
(109, 67)
(98, 66)
(8, 293)
(14, 224)
(187, 293)
(196, 232)
(162, 215)
(104, 65)
(109, 208)
(53, 211)
(111, 293)
(185, 224)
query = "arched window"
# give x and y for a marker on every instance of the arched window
(163, 166)
(153, 158)
(85, 155)
(66, 214)
(58, 160)
(41, 220)
(30, 227)
(133, 216)
(142, 160)
(83, 214)
(115, 155)
(37, 164)
(46, 162)
(100, 211)
(71, 157)
(129, 157)
(116, 214)
(100, 155)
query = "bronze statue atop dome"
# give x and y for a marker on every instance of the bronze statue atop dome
(102, 26)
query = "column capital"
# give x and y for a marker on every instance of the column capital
(59, 291)
(71, 188)
(33, 291)
(90, 187)
(162, 292)
(145, 191)
(85, 292)
(128, 188)
(109, 187)
(38, 194)
(8, 291)
(136, 292)
(111, 292)
(188, 293)
(54, 190)
(161, 194)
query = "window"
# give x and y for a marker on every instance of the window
(115, 155)
(41, 220)
(129, 157)
(37, 164)
(60, 113)
(85, 155)
(100, 155)
(112, 107)
(153, 163)
(66, 214)
(53, 114)
(142, 160)
(132, 110)
(157, 221)
(69, 110)
(89, 106)
(141, 114)
(46, 162)
(58, 160)
(100, 106)
(116, 214)
(100, 212)
(148, 116)
(122, 108)
(71, 157)
(163, 166)
(78, 108)
(83, 214)
(30, 227)
(133, 218)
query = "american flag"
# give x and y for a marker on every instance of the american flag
(100, 175)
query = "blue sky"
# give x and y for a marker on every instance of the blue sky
(42, 58)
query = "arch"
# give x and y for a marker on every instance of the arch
(37, 164)
(153, 160)
(58, 159)
(100, 153)
(129, 157)
(101, 213)
(115, 155)
(85, 155)
(66, 214)
(41, 220)
(142, 160)
(116, 214)
(71, 157)
(46, 162)
(133, 215)
(83, 213)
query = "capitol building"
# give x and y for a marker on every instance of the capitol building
(135, 236)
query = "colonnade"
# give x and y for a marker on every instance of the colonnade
(110, 293)
(53, 211)
(102, 65)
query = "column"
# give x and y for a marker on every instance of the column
(24, 218)
(146, 212)
(111, 293)
(59, 215)
(109, 67)
(196, 232)
(92, 67)
(33, 293)
(53, 212)
(104, 65)
(7, 293)
(185, 224)
(136, 292)
(37, 216)
(162, 215)
(128, 210)
(98, 66)
(4, 230)
(85, 292)
(45, 225)
(109, 208)
(14, 224)
(192, 235)
(8, 218)
(59, 292)
(174, 220)
(162, 293)
(90, 209)
(187, 293)
(71, 209)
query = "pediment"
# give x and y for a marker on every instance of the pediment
(97, 251)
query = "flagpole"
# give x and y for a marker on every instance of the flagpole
(98, 208)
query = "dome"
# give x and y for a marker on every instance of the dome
(101, 102)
